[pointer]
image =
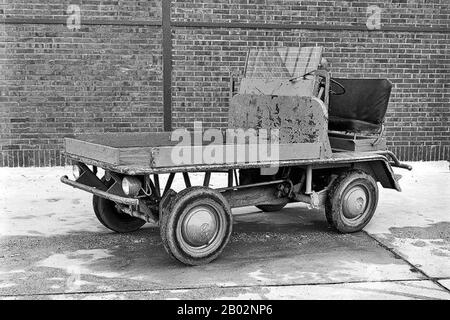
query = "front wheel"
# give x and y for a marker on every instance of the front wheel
(197, 226)
(352, 201)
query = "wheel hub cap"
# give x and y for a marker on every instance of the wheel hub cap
(355, 202)
(199, 226)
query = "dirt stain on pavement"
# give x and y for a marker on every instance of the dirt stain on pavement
(427, 247)
(440, 230)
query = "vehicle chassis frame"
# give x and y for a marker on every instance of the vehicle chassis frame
(270, 192)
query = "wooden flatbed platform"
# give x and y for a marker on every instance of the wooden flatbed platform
(149, 153)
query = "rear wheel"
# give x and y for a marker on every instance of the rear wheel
(352, 201)
(112, 217)
(197, 226)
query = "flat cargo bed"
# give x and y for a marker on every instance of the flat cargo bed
(148, 153)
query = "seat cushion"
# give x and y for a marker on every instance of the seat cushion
(352, 125)
(363, 106)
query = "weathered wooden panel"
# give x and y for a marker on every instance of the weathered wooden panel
(163, 152)
(232, 154)
(141, 156)
(92, 150)
(167, 156)
(129, 140)
(278, 87)
(299, 119)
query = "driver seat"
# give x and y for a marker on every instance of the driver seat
(362, 108)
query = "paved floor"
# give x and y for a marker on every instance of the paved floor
(51, 246)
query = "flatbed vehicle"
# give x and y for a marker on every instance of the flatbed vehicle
(331, 153)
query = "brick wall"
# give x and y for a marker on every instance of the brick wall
(58, 82)
(108, 78)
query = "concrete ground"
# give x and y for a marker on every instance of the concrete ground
(52, 246)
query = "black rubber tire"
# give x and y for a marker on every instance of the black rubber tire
(334, 211)
(180, 205)
(111, 218)
(245, 178)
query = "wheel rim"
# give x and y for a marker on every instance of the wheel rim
(356, 204)
(200, 229)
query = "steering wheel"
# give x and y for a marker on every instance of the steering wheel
(332, 82)
(337, 84)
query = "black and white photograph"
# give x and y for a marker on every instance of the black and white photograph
(244, 151)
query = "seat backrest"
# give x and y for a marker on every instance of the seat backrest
(365, 100)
